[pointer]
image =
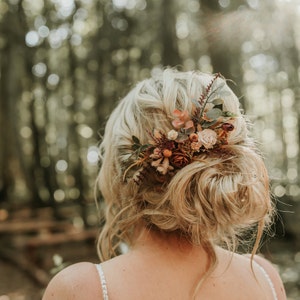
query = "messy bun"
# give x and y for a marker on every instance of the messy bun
(213, 199)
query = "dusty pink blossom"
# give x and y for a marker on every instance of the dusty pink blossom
(182, 117)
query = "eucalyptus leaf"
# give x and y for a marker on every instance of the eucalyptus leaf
(189, 130)
(218, 101)
(181, 137)
(214, 113)
(207, 124)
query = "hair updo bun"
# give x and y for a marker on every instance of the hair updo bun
(213, 198)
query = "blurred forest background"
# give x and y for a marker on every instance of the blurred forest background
(63, 66)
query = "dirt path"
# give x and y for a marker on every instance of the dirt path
(15, 284)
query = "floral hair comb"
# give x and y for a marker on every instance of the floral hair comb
(206, 129)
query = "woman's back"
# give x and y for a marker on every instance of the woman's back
(162, 269)
(150, 272)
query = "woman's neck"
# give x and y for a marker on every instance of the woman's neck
(169, 246)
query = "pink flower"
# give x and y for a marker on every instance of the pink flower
(182, 117)
(208, 138)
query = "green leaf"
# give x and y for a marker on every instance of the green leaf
(181, 137)
(144, 147)
(189, 130)
(228, 114)
(218, 101)
(214, 113)
(207, 124)
(135, 147)
(136, 140)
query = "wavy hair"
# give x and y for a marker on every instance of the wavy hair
(213, 200)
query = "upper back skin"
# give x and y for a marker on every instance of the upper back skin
(138, 275)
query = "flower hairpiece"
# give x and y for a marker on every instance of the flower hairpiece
(205, 129)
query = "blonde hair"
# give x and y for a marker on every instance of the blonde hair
(211, 201)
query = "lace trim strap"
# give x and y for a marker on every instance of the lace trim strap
(103, 281)
(270, 282)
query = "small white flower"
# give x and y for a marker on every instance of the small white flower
(208, 138)
(172, 135)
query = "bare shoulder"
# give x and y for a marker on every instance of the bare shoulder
(273, 274)
(78, 281)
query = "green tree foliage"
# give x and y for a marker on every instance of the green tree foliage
(64, 65)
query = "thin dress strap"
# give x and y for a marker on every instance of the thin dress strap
(103, 281)
(270, 282)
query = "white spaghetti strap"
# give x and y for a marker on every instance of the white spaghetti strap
(103, 281)
(268, 279)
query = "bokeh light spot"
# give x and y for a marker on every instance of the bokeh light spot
(93, 155)
(32, 38)
(59, 195)
(61, 166)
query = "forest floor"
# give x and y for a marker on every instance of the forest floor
(18, 284)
